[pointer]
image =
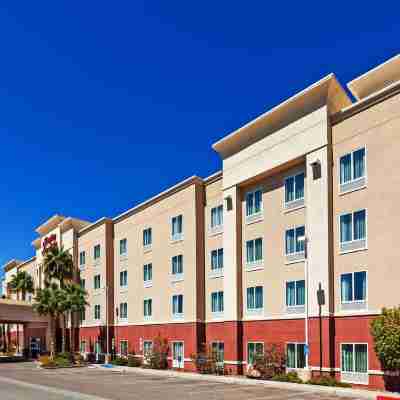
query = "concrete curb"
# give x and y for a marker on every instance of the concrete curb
(340, 392)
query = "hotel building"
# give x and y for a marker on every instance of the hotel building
(298, 228)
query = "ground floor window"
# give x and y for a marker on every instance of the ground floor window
(355, 357)
(217, 349)
(97, 347)
(147, 349)
(295, 355)
(254, 349)
(83, 346)
(123, 347)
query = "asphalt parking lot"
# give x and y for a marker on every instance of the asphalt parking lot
(97, 384)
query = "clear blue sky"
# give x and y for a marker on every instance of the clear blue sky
(103, 104)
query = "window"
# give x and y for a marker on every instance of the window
(295, 293)
(147, 237)
(82, 315)
(96, 252)
(295, 355)
(293, 243)
(82, 346)
(353, 287)
(177, 265)
(82, 258)
(147, 272)
(217, 302)
(294, 189)
(147, 350)
(123, 347)
(254, 350)
(217, 259)
(83, 283)
(255, 299)
(253, 203)
(97, 312)
(177, 227)
(217, 349)
(353, 230)
(177, 305)
(123, 247)
(147, 307)
(352, 170)
(123, 279)
(217, 217)
(123, 310)
(97, 282)
(254, 251)
(355, 358)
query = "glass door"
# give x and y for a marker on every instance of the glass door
(177, 355)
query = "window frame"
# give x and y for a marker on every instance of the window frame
(296, 306)
(353, 301)
(286, 203)
(296, 356)
(218, 257)
(120, 347)
(220, 310)
(352, 231)
(125, 317)
(147, 246)
(121, 274)
(255, 342)
(177, 315)
(125, 253)
(148, 301)
(82, 253)
(365, 177)
(82, 341)
(217, 352)
(176, 237)
(295, 253)
(256, 264)
(94, 282)
(354, 372)
(255, 310)
(217, 228)
(96, 258)
(96, 307)
(255, 216)
(148, 282)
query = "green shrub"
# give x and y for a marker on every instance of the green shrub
(134, 361)
(287, 377)
(327, 381)
(121, 361)
(385, 330)
(62, 362)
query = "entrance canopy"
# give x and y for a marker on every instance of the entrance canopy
(18, 312)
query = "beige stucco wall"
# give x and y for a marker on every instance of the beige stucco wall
(272, 229)
(86, 242)
(158, 216)
(214, 198)
(378, 129)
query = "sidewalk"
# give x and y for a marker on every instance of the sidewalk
(237, 380)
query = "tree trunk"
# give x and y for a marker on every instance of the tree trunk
(63, 334)
(52, 336)
(71, 334)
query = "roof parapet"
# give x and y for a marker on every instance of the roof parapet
(376, 79)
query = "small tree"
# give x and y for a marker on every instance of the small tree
(271, 362)
(158, 356)
(385, 329)
(22, 282)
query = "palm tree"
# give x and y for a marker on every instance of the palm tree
(57, 264)
(75, 303)
(22, 282)
(50, 302)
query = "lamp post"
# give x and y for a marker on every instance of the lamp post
(107, 357)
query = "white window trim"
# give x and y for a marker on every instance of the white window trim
(147, 247)
(97, 260)
(149, 282)
(177, 316)
(94, 312)
(217, 314)
(306, 357)
(297, 306)
(125, 254)
(257, 264)
(247, 350)
(218, 229)
(255, 311)
(178, 237)
(183, 352)
(126, 285)
(352, 180)
(352, 231)
(148, 317)
(302, 253)
(96, 290)
(123, 319)
(285, 203)
(220, 268)
(82, 266)
(258, 216)
(354, 363)
(353, 288)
